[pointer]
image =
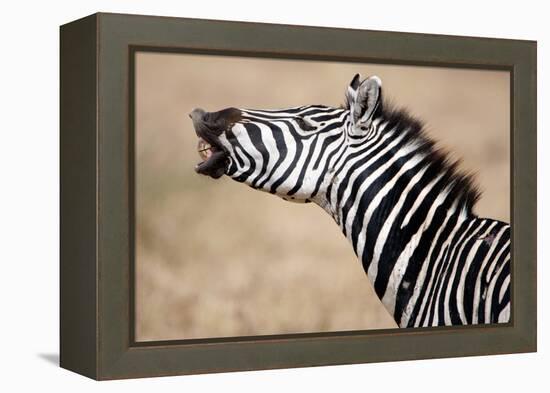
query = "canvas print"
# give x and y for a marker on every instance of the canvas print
(293, 196)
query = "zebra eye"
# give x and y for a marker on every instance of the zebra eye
(304, 124)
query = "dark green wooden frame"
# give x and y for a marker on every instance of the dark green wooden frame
(97, 279)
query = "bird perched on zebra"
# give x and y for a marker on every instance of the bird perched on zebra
(404, 206)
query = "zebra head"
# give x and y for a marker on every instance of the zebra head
(288, 152)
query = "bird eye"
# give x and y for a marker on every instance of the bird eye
(304, 124)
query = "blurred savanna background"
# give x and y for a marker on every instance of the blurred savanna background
(216, 258)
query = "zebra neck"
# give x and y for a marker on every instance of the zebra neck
(391, 205)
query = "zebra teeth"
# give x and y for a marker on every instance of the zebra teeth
(204, 149)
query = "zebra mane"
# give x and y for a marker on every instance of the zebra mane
(462, 185)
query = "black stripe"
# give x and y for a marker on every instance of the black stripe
(327, 160)
(485, 281)
(284, 115)
(456, 242)
(461, 262)
(433, 274)
(255, 135)
(491, 261)
(295, 159)
(504, 302)
(281, 148)
(326, 117)
(417, 259)
(471, 278)
(301, 176)
(433, 302)
(243, 176)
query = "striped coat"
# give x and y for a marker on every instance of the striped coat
(407, 210)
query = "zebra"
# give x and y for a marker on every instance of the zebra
(406, 208)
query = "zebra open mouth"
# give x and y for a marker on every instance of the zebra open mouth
(214, 159)
(209, 126)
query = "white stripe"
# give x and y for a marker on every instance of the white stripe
(492, 267)
(367, 149)
(454, 258)
(319, 145)
(504, 315)
(423, 272)
(490, 292)
(233, 153)
(319, 111)
(291, 152)
(448, 264)
(503, 288)
(402, 261)
(271, 147)
(383, 234)
(274, 112)
(334, 112)
(381, 239)
(291, 180)
(244, 139)
(421, 197)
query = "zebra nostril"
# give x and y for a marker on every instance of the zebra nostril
(197, 114)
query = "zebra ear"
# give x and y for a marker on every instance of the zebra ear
(351, 91)
(364, 100)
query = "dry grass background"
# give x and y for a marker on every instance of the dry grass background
(215, 258)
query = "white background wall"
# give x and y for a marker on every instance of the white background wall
(29, 193)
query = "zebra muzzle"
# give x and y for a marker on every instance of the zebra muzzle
(208, 127)
(214, 160)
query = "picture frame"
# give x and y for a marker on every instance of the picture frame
(97, 195)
